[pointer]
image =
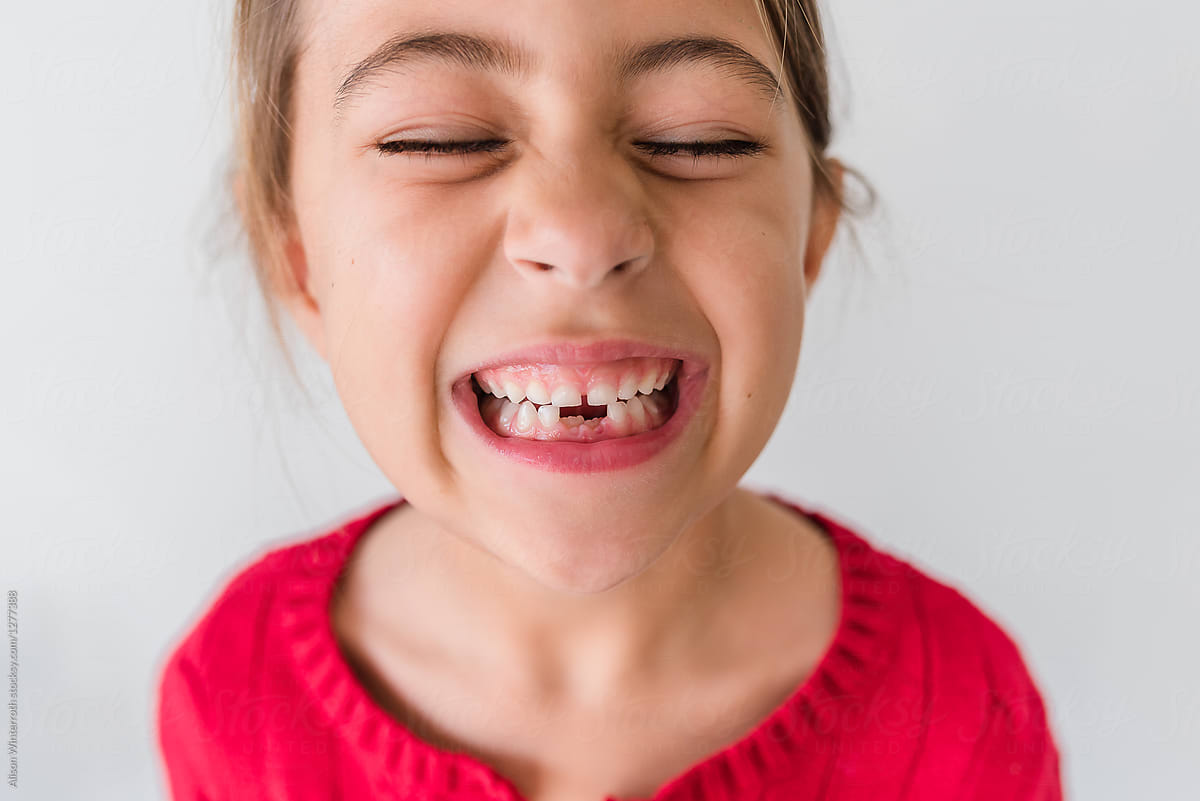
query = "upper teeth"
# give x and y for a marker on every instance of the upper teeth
(565, 395)
(568, 386)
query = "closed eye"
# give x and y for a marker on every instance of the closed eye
(732, 148)
(723, 148)
(432, 148)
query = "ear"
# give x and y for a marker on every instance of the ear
(288, 279)
(295, 293)
(823, 224)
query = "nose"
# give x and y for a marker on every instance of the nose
(577, 221)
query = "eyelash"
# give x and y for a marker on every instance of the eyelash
(731, 148)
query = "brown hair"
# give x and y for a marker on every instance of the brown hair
(266, 48)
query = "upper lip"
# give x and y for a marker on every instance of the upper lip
(577, 353)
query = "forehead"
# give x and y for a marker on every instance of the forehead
(346, 41)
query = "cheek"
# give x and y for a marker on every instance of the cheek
(401, 272)
(742, 255)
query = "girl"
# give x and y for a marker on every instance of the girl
(556, 256)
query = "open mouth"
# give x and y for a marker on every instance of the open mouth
(603, 412)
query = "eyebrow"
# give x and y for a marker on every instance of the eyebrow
(493, 55)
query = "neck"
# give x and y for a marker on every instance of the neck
(481, 611)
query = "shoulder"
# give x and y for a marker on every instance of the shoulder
(955, 683)
(982, 685)
(229, 642)
(203, 668)
(971, 640)
(958, 637)
(233, 618)
(235, 623)
(222, 646)
(226, 665)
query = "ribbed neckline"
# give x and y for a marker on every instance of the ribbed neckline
(401, 764)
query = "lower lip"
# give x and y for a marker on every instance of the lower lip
(588, 457)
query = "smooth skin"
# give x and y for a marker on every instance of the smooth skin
(586, 635)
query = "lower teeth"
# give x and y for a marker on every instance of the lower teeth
(641, 413)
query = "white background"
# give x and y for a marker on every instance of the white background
(1003, 387)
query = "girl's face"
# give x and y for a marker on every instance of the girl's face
(566, 226)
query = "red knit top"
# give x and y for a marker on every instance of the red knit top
(919, 696)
